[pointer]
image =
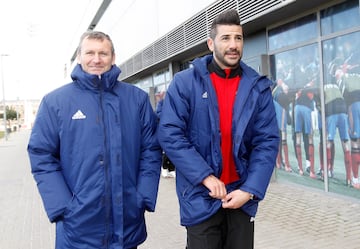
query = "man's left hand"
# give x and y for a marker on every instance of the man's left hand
(235, 199)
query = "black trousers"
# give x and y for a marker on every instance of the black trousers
(227, 229)
(166, 163)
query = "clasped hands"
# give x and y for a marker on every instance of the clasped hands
(232, 200)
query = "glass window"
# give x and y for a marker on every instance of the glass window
(292, 33)
(342, 106)
(297, 67)
(168, 77)
(159, 78)
(297, 94)
(185, 65)
(340, 17)
(145, 84)
(342, 50)
(296, 101)
(160, 88)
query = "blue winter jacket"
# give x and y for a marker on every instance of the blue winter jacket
(189, 133)
(96, 160)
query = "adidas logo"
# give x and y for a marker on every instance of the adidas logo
(205, 95)
(78, 115)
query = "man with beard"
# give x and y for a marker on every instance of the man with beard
(218, 126)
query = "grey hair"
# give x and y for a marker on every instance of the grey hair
(95, 35)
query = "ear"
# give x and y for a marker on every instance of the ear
(78, 58)
(210, 44)
(113, 59)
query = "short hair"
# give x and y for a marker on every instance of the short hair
(95, 35)
(228, 17)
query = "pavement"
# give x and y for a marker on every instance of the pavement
(291, 216)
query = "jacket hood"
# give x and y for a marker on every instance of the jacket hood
(106, 81)
(200, 65)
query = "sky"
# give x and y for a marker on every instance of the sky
(39, 36)
(36, 37)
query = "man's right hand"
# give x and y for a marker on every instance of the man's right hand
(216, 187)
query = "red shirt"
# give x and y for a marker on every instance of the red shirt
(226, 83)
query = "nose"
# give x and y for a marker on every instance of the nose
(233, 43)
(96, 57)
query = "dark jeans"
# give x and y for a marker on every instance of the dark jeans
(227, 229)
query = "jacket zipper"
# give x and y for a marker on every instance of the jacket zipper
(107, 204)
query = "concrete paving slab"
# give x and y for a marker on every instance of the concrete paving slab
(291, 217)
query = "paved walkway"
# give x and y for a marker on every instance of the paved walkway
(291, 216)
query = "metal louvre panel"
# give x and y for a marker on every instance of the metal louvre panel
(176, 40)
(217, 8)
(252, 9)
(124, 71)
(129, 67)
(160, 50)
(195, 30)
(137, 62)
(148, 56)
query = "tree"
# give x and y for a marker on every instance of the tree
(10, 114)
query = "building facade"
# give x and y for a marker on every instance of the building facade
(310, 49)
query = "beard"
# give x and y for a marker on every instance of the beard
(228, 63)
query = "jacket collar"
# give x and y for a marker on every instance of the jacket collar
(213, 67)
(105, 82)
(247, 73)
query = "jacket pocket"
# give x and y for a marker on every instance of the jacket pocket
(197, 205)
(69, 208)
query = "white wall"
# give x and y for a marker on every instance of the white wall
(135, 24)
